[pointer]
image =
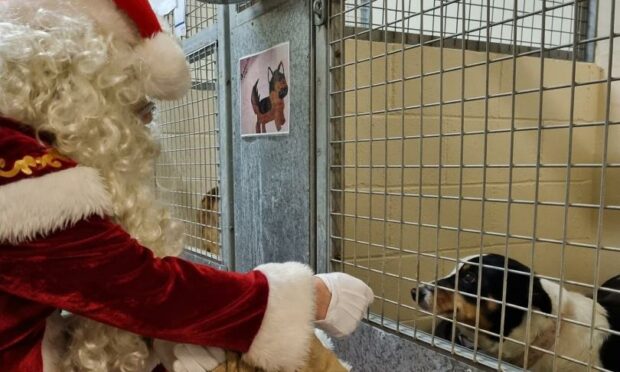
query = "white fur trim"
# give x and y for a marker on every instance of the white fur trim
(168, 72)
(39, 206)
(54, 343)
(283, 340)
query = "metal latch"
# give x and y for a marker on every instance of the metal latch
(319, 8)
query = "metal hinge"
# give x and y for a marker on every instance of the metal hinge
(319, 8)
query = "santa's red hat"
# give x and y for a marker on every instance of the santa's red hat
(167, 73)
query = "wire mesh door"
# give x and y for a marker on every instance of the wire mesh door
(199, 15)
(188, 169)
(464, 132)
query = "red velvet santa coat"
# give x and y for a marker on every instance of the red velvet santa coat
(58, 250)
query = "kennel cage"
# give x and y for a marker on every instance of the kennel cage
(442, 129)
(197, 16)
(459, 128)
(188, 170)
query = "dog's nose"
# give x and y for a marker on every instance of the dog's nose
(421, 292)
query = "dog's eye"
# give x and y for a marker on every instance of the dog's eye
(469, 278)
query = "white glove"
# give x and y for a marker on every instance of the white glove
(350, 299)
(187, 357)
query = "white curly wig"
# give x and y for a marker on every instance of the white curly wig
(63, 73)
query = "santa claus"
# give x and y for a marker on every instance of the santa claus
(79, 228)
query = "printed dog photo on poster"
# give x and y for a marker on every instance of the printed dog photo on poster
(264, 91)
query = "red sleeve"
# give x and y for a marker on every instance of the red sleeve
(96, 270)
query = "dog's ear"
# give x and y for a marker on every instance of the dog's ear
(281, 65)
(268, 71)
(540, 298)
(210, 198)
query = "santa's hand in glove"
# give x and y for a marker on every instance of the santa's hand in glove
(341, 302)
(349, 299)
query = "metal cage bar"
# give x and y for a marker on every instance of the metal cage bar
(188, 169)
(460, 128)
(199, 15)
(400, 21)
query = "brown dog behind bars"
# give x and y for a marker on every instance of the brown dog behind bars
(209, 218)
(271, 108)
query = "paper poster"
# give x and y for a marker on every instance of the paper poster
(264, 84)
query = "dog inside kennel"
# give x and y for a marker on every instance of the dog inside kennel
(461, 157)
(466, 132)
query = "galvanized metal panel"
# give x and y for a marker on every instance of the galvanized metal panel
(273, 174)
(371, 349)
(321, 115)
(226, 170)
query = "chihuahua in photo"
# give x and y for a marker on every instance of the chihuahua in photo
(209, 219)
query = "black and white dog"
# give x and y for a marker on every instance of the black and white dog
(574, 341)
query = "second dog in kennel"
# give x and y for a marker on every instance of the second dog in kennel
(574, 339)
(209, 219)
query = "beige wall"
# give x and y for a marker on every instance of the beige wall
(612, 196)
(415, 254)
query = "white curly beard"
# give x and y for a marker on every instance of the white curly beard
(61, 75)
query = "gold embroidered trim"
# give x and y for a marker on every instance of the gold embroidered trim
(26, 164)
